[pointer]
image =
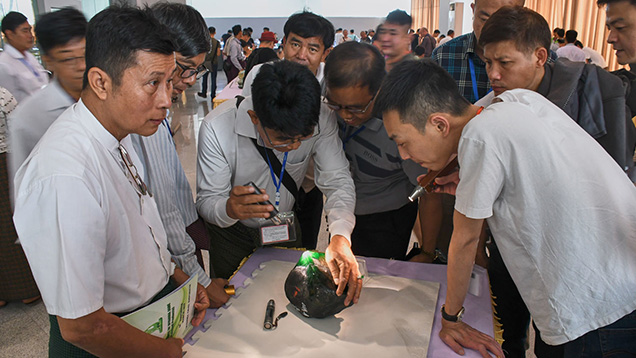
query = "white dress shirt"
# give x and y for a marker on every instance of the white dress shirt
(172, 193)
(90, 239)
(19, 78)
(29, 122)
(227, 157)
(572, 53)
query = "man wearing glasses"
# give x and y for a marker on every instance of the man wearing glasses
(163, 171)
(383, 181)
(282, 122)
(62, 40)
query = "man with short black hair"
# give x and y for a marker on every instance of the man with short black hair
(570, 50)
(307, 41)
(235, 58)
(211, 63)
(384, 215)
(394, 39)
(20, 73)
(555, 236)
(87, 221)
(241, 142)
(164, 174)
(62, 40)
(516, 43)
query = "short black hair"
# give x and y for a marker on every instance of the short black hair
(236, 29)
(527, 29)
(212, 30)
(578, 44)
(419, 50)
(286, 98)
(399, 17)
(570, 36)
(418, 88)
(59, 28)
(265, 28)
(12, 20)
(560, 32)
(355, 64)
(187, 26)
(307, 24)
(450, 32)
(436, 32)
(258, 56)
(116, 34)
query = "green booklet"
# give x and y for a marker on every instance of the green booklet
(170, 316)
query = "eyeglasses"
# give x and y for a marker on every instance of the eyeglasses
(337, 107)
(188, 72)
(70, 61)
(139, 184)
(289, 142)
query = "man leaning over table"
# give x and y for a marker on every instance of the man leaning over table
(563, 211)
(283, 121)
(89, 226)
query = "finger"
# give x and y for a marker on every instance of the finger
(353, 288)
(450, 341)
(334, 269)
(241, 190)
(343, 278)
(197, 318)
(356, 297)
(248, 199)
(223, 282)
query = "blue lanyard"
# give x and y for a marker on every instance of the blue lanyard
(347, 139)
(473, 78)
(280, 178)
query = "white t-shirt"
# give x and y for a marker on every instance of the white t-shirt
(562, 211)
(90, 239)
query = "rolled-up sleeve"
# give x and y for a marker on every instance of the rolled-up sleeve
(333, 177)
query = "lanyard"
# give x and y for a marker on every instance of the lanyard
(347, 139)
(165, 121)
(473, 78)
(280, 178)
(28, 65)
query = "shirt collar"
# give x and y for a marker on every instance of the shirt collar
(97, 130)
(243, 125)
(471, 41)
(12, 51)
(64, 100)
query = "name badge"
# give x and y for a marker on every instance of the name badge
(279, 229)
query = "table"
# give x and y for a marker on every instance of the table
(230, 91)
(478, 308)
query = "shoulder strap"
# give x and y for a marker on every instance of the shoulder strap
(288, 182)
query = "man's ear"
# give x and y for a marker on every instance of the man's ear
(542, 56)
(326, 53)
(439, 123)
(253, 117)
(100, 82)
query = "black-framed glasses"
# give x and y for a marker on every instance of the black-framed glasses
(352, 110)
(290, 141)
(187, 72)
(139, 184)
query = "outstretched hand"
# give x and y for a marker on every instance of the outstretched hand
(458, 335)
(344, 268)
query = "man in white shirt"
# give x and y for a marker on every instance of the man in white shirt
(20, 72)
(570, 50)
(568, 242)
(283, 122)
(307, 41)
(62, 40)
(88, 224)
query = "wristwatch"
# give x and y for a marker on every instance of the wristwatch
(451, 318)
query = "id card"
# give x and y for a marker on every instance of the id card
(277, 230)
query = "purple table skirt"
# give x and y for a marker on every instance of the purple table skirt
(478, 308)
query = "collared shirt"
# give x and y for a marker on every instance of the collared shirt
(568, 242)
(455, 56)
(90, 239)
(29, 122)
(7, 105)
(235, 52)
(19, 78)
(383, 180)
(572, 53)
(227, 157)
(172, 193)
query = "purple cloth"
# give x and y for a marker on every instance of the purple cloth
(478, 308)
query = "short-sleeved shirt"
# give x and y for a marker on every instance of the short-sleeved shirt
(383, 180)
(563, 213)
(91, 240)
